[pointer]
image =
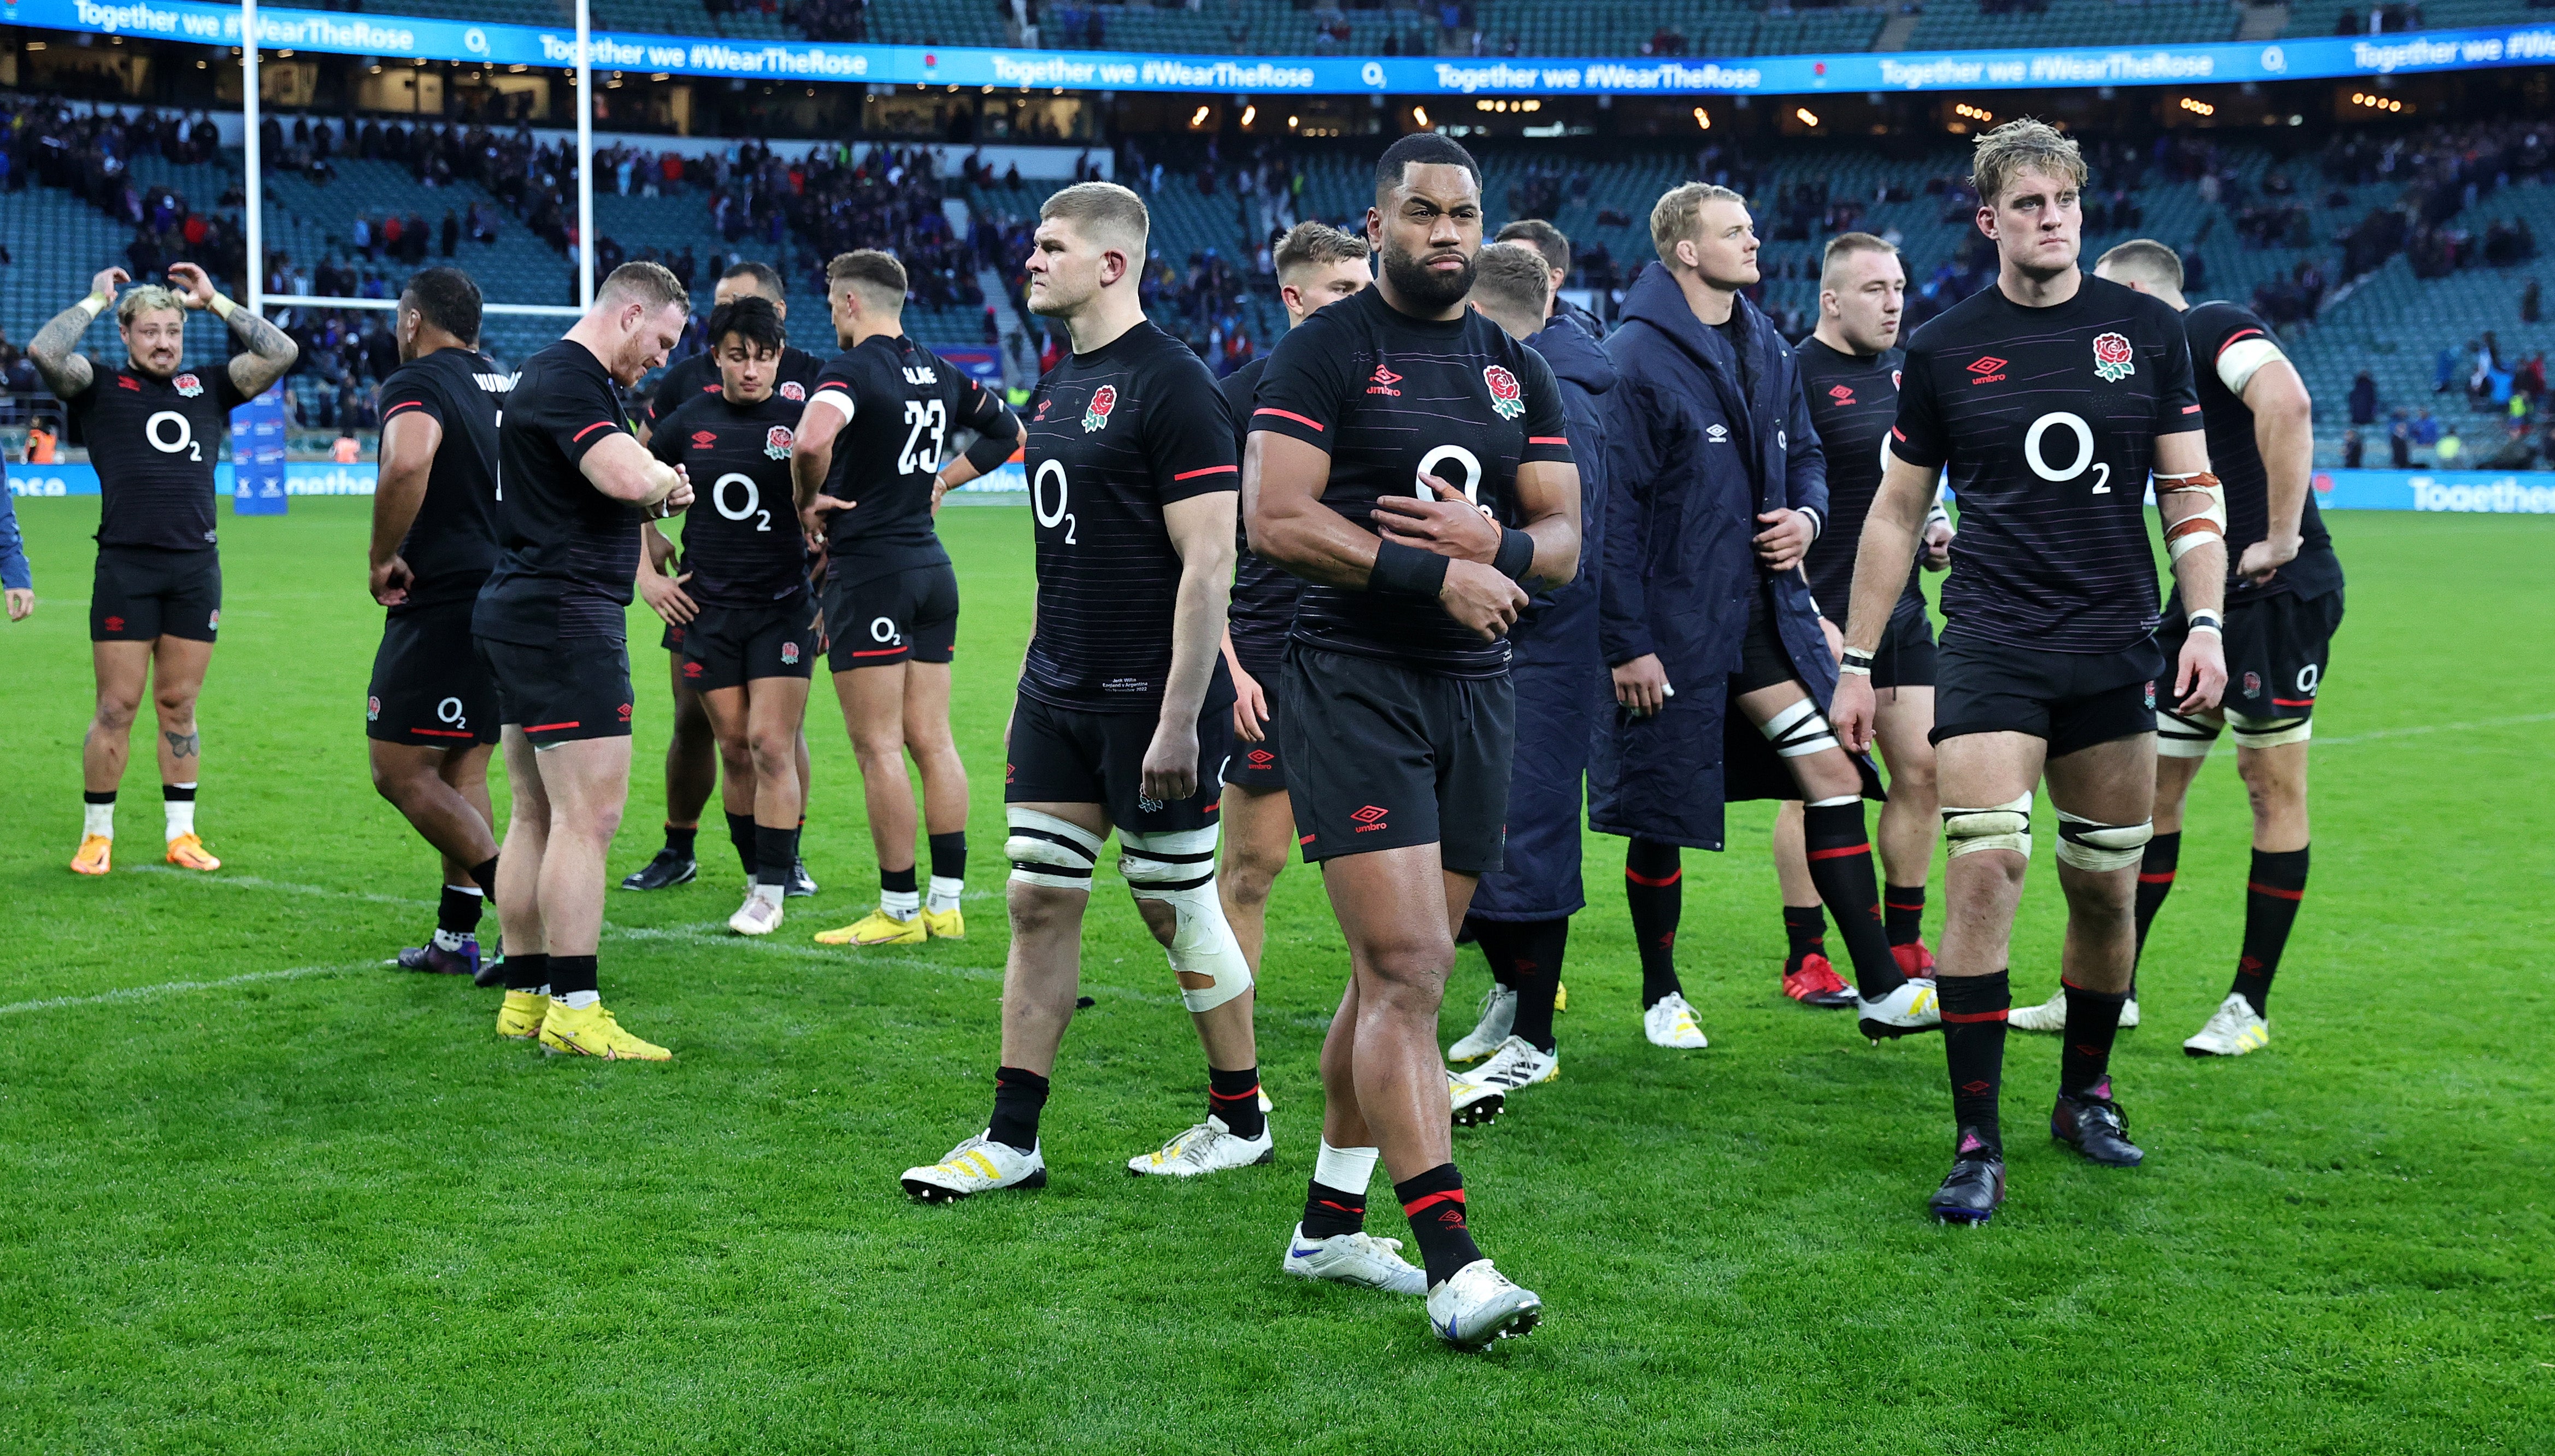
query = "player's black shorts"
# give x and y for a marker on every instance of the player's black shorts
(141, 594)
(729, 647)
(430, 686)
(577, 687)
(1907, 656)
(2069, 701)
(1762, 663)
(907, 616)
(1261, 765)
(671, 639)
(2278, 648)
(1076, 756)
(1382, 755)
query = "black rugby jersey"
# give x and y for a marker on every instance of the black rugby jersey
(452, 544)
(906, 403)
(1854, 398)
(1264, 593)
(1114, 437)
(2047, 420)
(741, 539)
(1392, 397)
(2214, 328)
(154, 443)
(694, 375)
(567, 551)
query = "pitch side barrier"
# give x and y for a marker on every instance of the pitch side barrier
(353, 34)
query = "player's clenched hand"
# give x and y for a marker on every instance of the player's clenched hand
(2200, 679)
(391, 581)
(1938, 545)
(1785, 537)
(1641, 685)
(1479, 597)
(1250, 707)
(1851, 712)
(108, 280)
(194, 289)
(680, 499)
(2264, 558)
(1172, 762)
(1450, 525)
(667, 597)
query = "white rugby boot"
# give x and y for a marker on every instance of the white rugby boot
(1902, 1012)
(2051, 1015)
(1359, 1258)
(1473, 1104)
(1670, 1024)
(759, 915)
(1517, 1064)
(2232, 1031)
(1479, 1305)
(1209, 1147)
(1499, 1014)
(978, 1165)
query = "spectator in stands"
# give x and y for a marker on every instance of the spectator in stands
(43, 441)
(2518, 451)
(2528, 303)
(346, 450)
(2450, 448)
(2354, 450)
(2399, 442)
(2426, 430)
(2364, 398)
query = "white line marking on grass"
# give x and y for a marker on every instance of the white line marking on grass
(173, 988)
(2421, 728)
(252, 881)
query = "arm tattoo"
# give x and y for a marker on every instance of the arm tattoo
(65, 373)
(271, 352)
(184, 745)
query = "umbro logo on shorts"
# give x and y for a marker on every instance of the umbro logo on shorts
(1988, 368)
(1260, 757)
(1369, 818)
(625, 713)
(691, 670)
(115, 624)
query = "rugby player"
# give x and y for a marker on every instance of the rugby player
(1553, 246)
(751, 646)
(430, 714)
(1125, 707)
(1318, 266)
(155, 433)
(1410, 461)
(691, 748)
(2049, 398)
(573, 484)
(2284, 601)
(1850, 367)
(890, 429)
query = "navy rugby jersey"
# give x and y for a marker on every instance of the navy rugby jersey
(1392, 398)
(1263, 609)
(452, 544)
(567, 552)
(154, 443)
(2046, 420)
(2213, 329)
(904, 408)
(741, 539)
(1854, 398)
(1114, 437)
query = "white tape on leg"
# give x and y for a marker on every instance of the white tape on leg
(1998, 826)
(1179, 869)
(1049, 851)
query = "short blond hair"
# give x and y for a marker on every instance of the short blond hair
(1846, 245)
(1673, 218)
(651, 284)
(876, 272)
(2150, 260)
(2019, 146)
(1317, 244)
(1101, 207)
(146, 298)
(1513, 278)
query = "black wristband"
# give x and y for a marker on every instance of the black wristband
(1399, 567)
(1517, 554)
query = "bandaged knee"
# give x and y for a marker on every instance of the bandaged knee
(1179, 869)
(1998, 826)
(2180, 736)
(2269, 732)
(2090, 844)
(1047, 851)
(1799, 731)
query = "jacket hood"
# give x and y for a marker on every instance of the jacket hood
(1574, 356)
(1656, 299)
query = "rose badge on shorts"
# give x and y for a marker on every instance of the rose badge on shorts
(2113, 359)
(1096, 417)
(776, 440)
(1507, 400)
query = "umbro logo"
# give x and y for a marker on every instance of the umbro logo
(1369, 818)
(1383, 381)
(702, 440)
(1719, 435)
(1987, 369)
(1841, 394)
(1260, 757)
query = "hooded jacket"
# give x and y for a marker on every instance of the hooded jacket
(1557, 668)
(1698, 446)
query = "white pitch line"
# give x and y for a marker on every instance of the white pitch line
(2376, 734)
(173, 988)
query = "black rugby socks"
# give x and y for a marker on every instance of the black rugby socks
(1434, 1204)
(1902, 917)
(681, 839)
(1974, 1013)
(2155, 881)
(1840, 855)
(1526, 956)
(1653, 886)
(1805, 934)
(740, 832)
(2272, 899)
(1019, 1098)
(527, 971)
(1234, 1097)
(2092, 1020)
(775, 855)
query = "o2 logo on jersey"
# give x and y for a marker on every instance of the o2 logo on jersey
(183, 442)
(1507, 400)
(795, 392)
(450, 713)
(2034, 455)
(1435, 463)
(1057, 514)
(2113, 360)
(776, 442)
(753, 507)
(1096, 417)
(188, 386)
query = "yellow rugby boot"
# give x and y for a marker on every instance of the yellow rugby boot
(95, 852)
(188, 852)
(521, 1015)
(878, 928)
(569, 1032)
(946, 924)
(1560, 998)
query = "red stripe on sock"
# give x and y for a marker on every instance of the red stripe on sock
(1412, 1208)
(1902, 905)
(1215, 1096)
(2259, 888)
(1845, 853)
(1964, 1019)
(1671, 878)
(1342, 1207)
(2165, 879)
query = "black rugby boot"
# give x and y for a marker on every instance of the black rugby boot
(802, 884)
(671, 867)
(1975, 1189)
(2092, 1122)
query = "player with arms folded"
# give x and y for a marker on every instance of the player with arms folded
(2049, 398)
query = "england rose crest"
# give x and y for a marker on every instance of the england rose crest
(2113, 360)
(776, 442)
(1507, 400)
(789, 654)
(795, 392)
(187, 384)
(1096, 417)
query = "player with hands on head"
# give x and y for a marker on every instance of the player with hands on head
(2049, 398)
(155, 433)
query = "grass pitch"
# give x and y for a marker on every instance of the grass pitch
(266, 1195)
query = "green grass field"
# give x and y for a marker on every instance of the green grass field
(265, 1195)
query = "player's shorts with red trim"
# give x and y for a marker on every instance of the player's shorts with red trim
(578, 688)
(2067, 700)
(729, 647)
(2277, 648)
(1380, 755)
(1061, 754)
(430, 687)
(143, 593)
(907, 616)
